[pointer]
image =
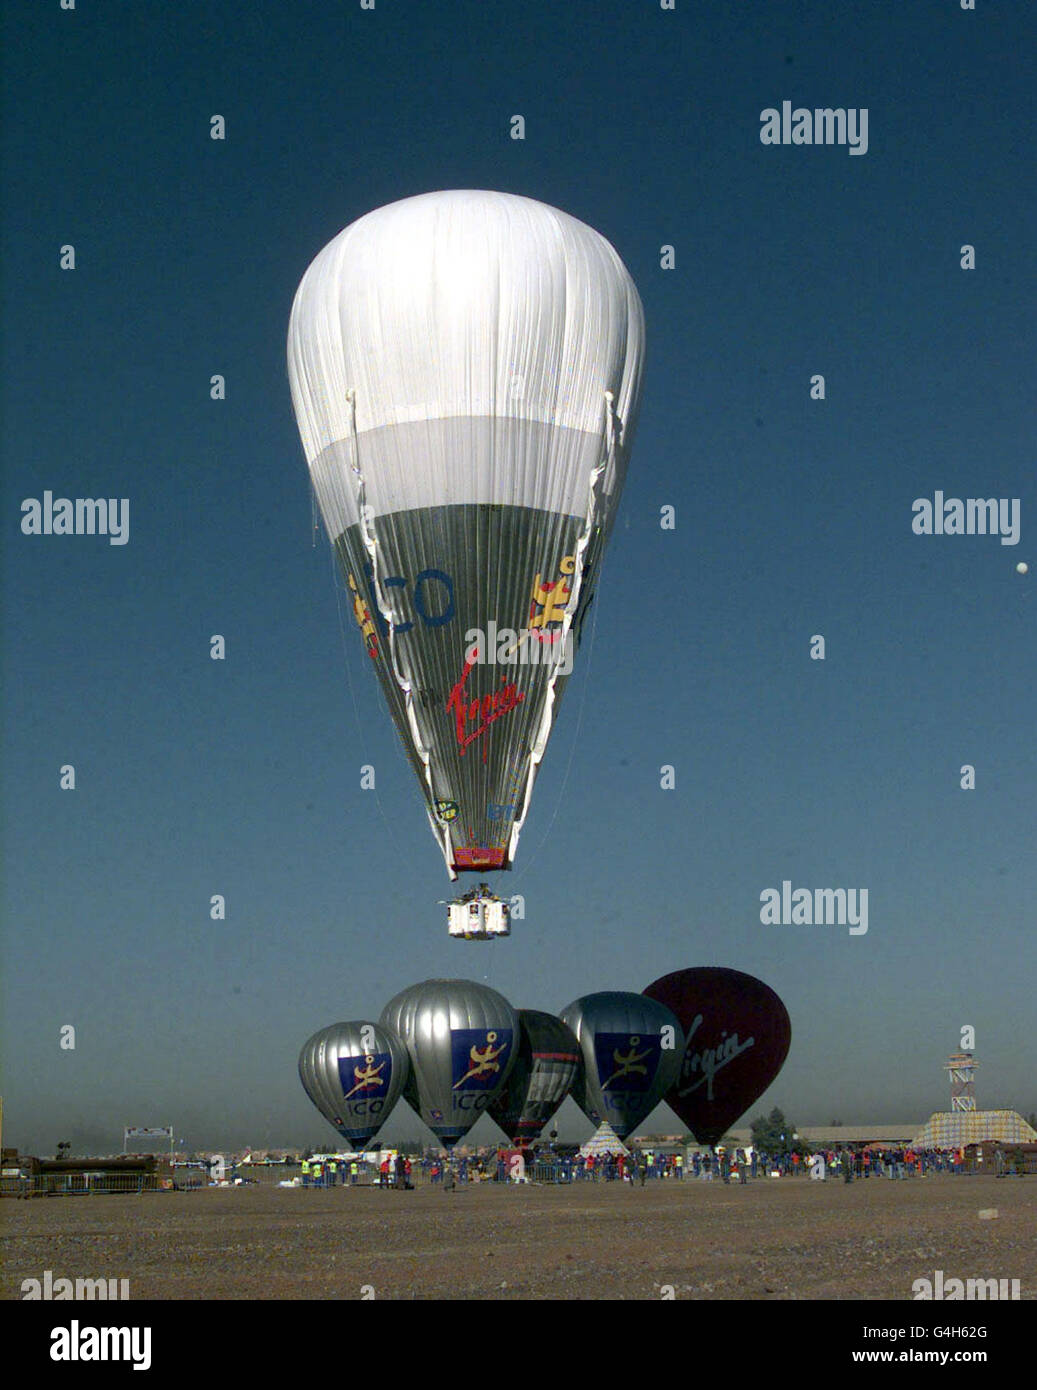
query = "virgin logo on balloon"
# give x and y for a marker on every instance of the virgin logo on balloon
(738, 1035)
(709, 1060)
(480, 712)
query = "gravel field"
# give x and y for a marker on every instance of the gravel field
(772, 1239)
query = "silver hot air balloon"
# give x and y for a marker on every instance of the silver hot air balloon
(547, 1062)
(460, 1038)
(354, 1073)
(465, 369)
(632, 1051)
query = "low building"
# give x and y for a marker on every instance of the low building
(955, 1129)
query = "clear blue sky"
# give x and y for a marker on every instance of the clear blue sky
(793, 518)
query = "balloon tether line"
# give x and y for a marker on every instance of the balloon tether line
(572, 752)
(547, 719)
(370, 542)
(347, 648)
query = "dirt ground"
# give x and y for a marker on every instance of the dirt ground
(772, 1239)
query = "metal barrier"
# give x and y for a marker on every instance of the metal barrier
(82, 1184)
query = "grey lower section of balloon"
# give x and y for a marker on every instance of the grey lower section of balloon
(354, 1073)
(497, 579)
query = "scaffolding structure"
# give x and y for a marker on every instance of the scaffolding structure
(962, 1069)
(963, 1124)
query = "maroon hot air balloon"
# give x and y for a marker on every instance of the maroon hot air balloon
(738, 1034)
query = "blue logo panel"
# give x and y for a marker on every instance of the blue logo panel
(627, 1062)
(479, 1058)
(365, 1077)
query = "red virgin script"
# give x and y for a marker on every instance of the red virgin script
(480, 712)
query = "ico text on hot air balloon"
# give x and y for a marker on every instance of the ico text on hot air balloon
(465, 369)
(354, 1073)
(460, 1040)
(632, 1048)
(737, 1038)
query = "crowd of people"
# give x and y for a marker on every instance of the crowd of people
(723, 1164)
(867, 1162)
(739, 1165)
(332, 1172)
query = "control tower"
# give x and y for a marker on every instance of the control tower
(962, 1068)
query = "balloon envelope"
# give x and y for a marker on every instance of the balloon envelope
(631, 1048)
(354, 1073)
(460, 1039)
(465, 370)
(547, 1062)
(738, 1035)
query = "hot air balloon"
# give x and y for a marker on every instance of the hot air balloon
(465, 369)
(738, 1035)
(354, 1073)
(547, 1062)
(632, 1049)
(460, 1039)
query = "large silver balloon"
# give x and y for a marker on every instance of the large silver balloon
(547, 1062)
(460, 1038)
(354, 1073)
(632, 1049)
(465, 370)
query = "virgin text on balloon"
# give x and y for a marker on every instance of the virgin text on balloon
(481, 712)
(710, 1060)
